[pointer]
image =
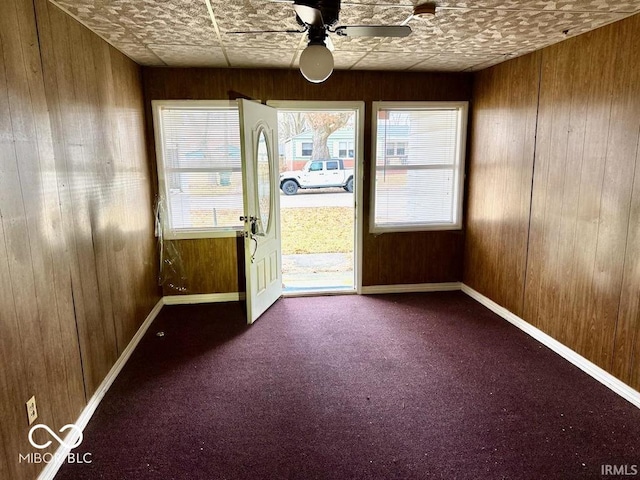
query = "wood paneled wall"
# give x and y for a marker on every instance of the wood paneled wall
(505, 104)
(582, 271)
(77, 252)
(200, 266)
(388, 259)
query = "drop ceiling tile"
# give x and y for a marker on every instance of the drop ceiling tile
(558, 5)
(577, 23)
(530, 30)
(363, 44)
(345, 60)
(387, 61)
(352, 14)
(149, 21)
(459, 23)
(437, 34)
(250, 41)
(190, 55)
(267, 58)
(252, 15)
(454, 62)
(489, 63)
(141, 54)
(97, 19)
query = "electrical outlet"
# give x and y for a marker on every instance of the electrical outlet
(32, 411)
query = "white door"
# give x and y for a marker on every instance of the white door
(259, 140)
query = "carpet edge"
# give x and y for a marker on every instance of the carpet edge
(51, 469)
(605, 378)
(411, 288)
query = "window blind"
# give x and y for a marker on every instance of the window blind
(201, 169)
(418, 168)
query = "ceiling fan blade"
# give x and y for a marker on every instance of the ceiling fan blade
(374, 31)
(329, 43)
(268, 31)
(309, 15)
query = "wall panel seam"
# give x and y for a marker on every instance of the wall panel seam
(533, 172)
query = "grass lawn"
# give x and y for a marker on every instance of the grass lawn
(317, 230)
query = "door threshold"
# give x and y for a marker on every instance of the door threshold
(317, 292)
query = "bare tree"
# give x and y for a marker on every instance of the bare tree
(291, 124)
(323, 125)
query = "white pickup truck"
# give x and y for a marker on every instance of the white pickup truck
(318, 174)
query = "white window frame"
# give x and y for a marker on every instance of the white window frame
(183, 234)
(462, 108)
(302, 149)
(348, 148)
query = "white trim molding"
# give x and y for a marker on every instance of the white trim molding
(411, 288)
(318, 293)
(203, 298)
(51, 469)
(590, 368)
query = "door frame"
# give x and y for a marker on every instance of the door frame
(358, 107)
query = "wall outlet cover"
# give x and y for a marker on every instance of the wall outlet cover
(32, 411)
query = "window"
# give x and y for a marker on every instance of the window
(199, 168)
(396, 149)
(332, 166)
(307, 149)
(315, 167)
(419, 152)
(345, 149)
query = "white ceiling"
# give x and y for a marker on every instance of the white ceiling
(463, 35)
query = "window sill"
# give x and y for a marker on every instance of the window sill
(414, 228)
(202, 235)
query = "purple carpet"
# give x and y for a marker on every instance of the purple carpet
(408, 386)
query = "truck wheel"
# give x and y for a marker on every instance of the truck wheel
(349, 186)
(289, 187)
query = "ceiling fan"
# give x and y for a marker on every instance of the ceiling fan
(318, 18)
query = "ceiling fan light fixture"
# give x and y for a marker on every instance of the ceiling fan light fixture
(424, 10)
(316, 63)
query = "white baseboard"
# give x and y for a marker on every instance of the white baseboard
(203, 298)
(604, 377)
(51, 469)
(411, 288)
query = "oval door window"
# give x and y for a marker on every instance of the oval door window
(263, 169)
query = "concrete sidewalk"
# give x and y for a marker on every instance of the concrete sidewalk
(318, 271)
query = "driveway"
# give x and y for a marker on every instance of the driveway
(325, 197)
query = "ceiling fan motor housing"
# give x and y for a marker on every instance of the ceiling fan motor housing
(330, 9)
(317, 35)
